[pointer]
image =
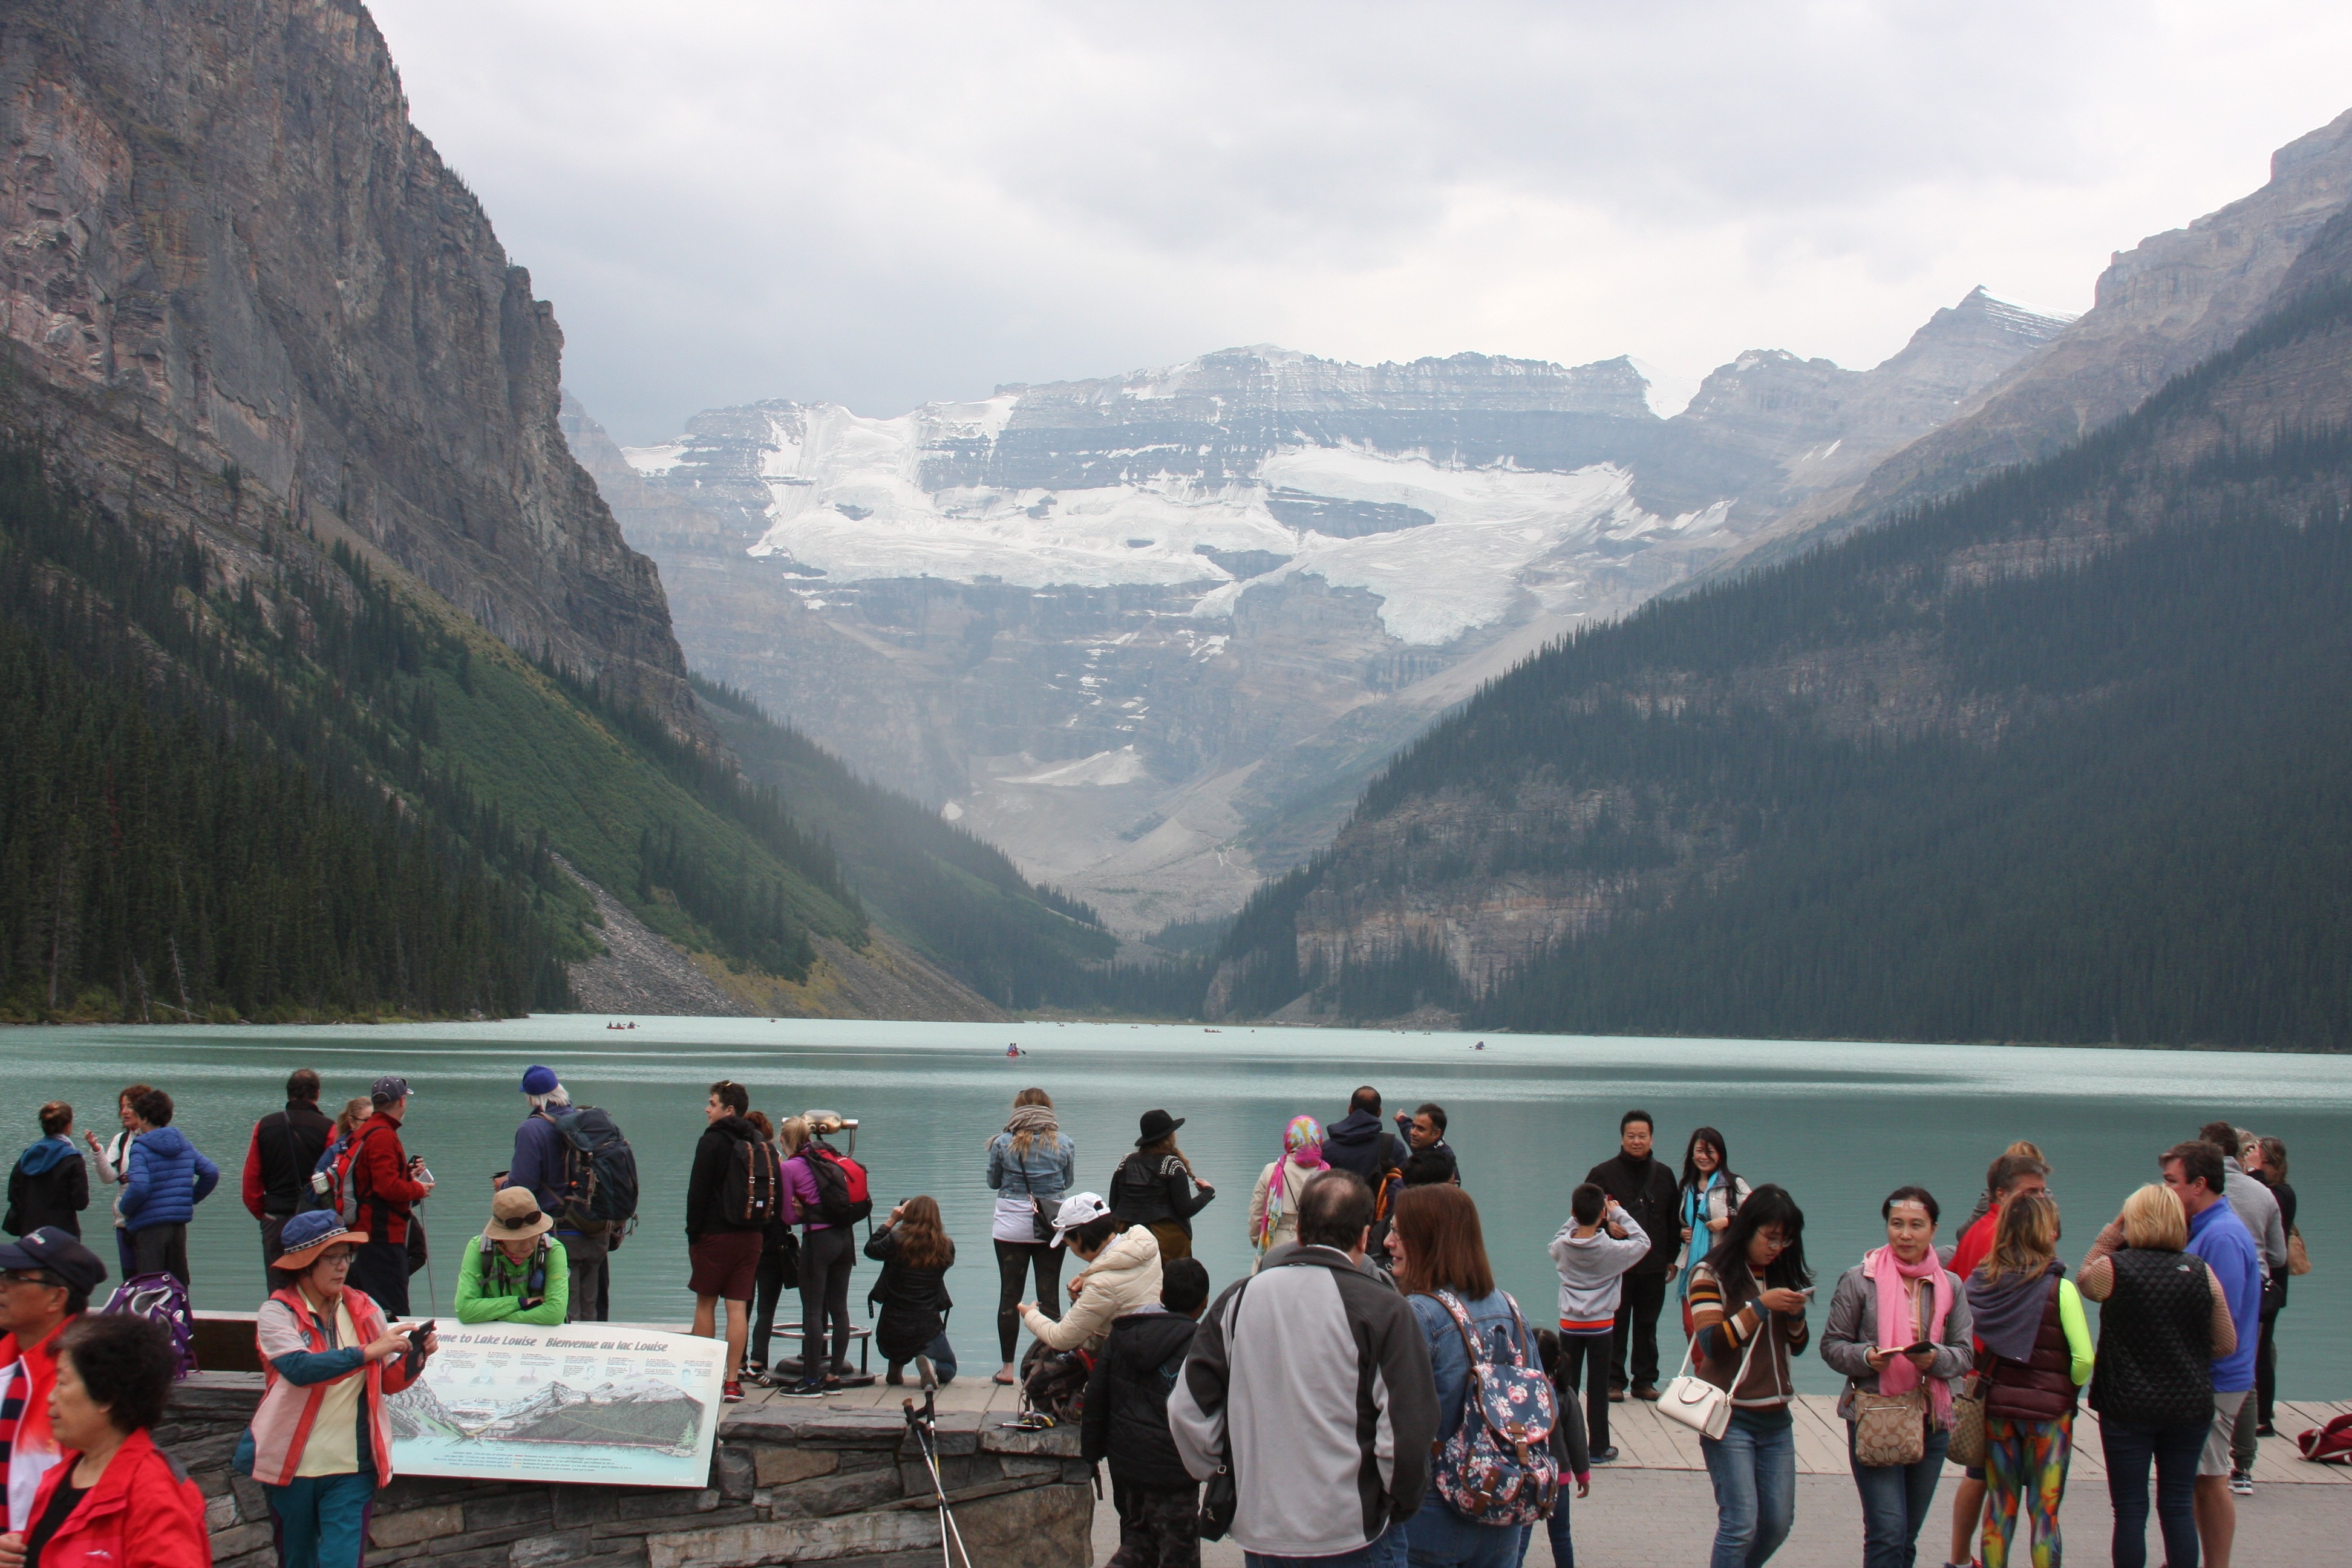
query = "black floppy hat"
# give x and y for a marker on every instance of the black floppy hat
(1156, 1125)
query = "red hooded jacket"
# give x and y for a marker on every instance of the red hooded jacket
(144, 1512)
(379, 1179)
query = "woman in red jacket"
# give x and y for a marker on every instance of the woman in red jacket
(114, 1500)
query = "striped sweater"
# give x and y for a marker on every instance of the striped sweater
(1725, 1322)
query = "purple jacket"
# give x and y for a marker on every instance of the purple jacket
(801, 1194)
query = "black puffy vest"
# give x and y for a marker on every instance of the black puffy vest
(2156, 1341)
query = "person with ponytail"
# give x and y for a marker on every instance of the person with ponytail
(2037, 1355)
(1274, 1203)
(1899, 1297)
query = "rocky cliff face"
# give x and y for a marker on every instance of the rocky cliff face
(234, 279)
(1151, 632)
(2162, 307)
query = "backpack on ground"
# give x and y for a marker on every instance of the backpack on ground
(160, 1299)
(752, 1195)
(600, 1169)
(841, 1195)
(2328, 1445)
(1497, 1468)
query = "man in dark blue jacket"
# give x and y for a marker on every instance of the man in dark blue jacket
(543, 1162)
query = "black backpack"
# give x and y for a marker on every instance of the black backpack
(751, 1196)
(600, 1169)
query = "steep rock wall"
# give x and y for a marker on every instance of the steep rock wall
(225, 249)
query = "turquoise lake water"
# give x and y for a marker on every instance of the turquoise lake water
(1838, 1124)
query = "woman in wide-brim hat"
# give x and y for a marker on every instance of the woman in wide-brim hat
(320, 1442)
(515, 1272)
(1155, 1187)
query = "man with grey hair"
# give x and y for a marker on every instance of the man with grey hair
(543, 1162)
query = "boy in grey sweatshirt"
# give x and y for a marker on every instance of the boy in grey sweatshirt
(1592, 1251)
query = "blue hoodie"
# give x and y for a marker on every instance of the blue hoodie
(168, 1179)
(43, 1156)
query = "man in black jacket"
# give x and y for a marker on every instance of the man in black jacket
(1356, 1142)
(1126, 1422)
(722, 1249)
(1648, 1191)
(279, 1161)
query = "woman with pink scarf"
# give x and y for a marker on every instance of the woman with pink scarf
(1274, 1203)
(1899, 1323)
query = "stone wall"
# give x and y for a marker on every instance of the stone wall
(788, 1484)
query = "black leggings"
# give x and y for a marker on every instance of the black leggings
(768, 1291)
(826, 1257)
(1014, 1261)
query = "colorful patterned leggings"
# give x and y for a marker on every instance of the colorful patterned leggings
(2025, 1462)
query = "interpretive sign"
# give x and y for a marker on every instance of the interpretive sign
(580, 1402)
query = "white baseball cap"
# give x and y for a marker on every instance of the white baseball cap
(1076, 1210)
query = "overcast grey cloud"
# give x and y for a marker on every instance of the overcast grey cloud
(881, 204)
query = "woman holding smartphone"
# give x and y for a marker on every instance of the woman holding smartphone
(1747, 1305)
(1898, 1329)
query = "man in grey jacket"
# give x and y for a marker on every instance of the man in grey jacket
(1311, 1378)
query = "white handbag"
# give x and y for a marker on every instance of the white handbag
(1698, 1404)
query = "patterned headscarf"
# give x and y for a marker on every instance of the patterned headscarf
(1303, 1142)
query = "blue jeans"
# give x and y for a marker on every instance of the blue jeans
(1388, 1552)
(1563, 1546)
(1754, 1468)
(1895, 1501)
(321, 1522)
(1437, 1537)
(2129, 1447)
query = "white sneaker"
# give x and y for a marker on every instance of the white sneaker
(2240, 1484)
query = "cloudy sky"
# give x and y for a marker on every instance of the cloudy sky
(880, 204)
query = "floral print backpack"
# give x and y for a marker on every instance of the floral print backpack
(1497, 1468)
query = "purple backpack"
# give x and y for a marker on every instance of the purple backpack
(1497, 1468)
(160, 1299)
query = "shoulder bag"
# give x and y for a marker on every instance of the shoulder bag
(1699, 1404)
(1969, 1418)
(1889, 1428)
(2298, 1258)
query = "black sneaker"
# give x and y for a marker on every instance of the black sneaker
(807, 1388)
(1604, 1456)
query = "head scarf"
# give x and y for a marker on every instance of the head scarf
(1302, 1145)
(1029, 1124)
(1895, 1328)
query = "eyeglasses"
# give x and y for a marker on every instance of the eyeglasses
(1777, 1243)
(30, 1277)
(331, 1260)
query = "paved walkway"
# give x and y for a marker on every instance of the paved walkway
(1653, 1509)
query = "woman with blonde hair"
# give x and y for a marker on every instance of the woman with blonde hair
(1031, 1165)
(1274, 1218)
(2037, 1355)
(2166, 1319)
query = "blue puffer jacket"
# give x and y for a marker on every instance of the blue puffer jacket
(168, 1179)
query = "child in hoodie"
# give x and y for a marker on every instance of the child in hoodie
(1592, 1251)
(1126, 1421)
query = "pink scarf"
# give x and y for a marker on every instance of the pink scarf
(1889, 1273)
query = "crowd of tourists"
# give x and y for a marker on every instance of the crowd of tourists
(1365, 1394)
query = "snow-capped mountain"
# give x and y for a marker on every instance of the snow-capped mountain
(1149, 633)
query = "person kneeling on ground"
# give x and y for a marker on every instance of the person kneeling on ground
(1127, 1423)
(915, 1253)
(320, 1444)
(1122, 1274)
(516, 1272)
(113, 1499)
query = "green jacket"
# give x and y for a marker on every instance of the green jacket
(491, 1289)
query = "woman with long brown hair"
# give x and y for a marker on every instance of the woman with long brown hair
(2037, 1355)
(915, 1253)
(1031, 1165)
(1156, 1188)
(1440, 1255)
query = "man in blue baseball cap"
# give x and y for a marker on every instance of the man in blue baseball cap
(46, 1279)
(543, 1162)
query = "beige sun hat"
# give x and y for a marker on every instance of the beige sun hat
(515, 1216)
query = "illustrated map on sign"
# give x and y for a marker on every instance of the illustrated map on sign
(585, 1402)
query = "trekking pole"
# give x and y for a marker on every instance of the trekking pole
(924, 1424)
